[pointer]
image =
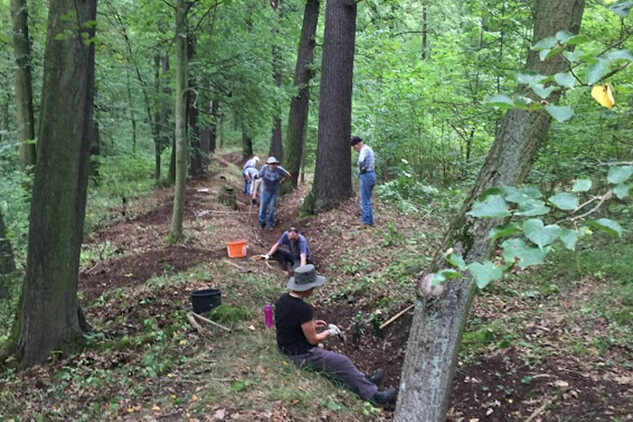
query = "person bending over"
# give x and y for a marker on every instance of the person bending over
(297, 254)
(298, 336)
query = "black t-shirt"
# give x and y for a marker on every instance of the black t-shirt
(290, 313)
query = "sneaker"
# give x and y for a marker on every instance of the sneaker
(384, 396)
(376, 377)
(270, 228)
(262, 225)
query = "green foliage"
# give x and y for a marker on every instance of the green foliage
(229, 314)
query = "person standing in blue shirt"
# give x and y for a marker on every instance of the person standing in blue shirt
(366, 165)
(272, 175)
(298, 252)
(252, 163)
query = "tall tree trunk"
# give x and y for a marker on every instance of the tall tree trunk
(247, 146)
(425, 46)
(299, 105)
(213, 141)
(333, 179)
(131, 110)
(205, 130)
(7, 261)
(193, 130)
(23, 83)
(50, 316)
(276, 146)
(158, 147)
(438, 322)
(175, 229)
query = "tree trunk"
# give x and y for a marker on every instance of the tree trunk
(23, 83)
(425, 47)
(158, 147)
(438, 322)
(193, 130)
(247, 146)
(276, 147)
(213, 141)
(299, 105)
(205, 131)
(49, 314)
(7, 261)
(175, 229)
(131, 110)
(332, 180)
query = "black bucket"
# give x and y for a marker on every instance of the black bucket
(205, 300)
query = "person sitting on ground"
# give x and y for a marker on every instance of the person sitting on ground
(298, 339)
(298, 252)
(272, 175)
(252, 163)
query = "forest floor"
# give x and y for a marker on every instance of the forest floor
(533, 350)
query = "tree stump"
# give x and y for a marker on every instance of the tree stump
(227, 196)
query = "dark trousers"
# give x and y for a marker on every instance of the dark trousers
(339, 366)
(285, 258)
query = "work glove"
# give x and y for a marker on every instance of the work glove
(266, 257)
(334, 330)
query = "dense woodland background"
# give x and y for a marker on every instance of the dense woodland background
(432, 82)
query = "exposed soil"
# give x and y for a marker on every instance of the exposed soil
(499, 386)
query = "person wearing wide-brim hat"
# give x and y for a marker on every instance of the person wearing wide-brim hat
(298, 339)
(272, 175)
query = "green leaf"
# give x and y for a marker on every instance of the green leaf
(564, 201)
(569, 238)
(573, 56)
(443, 275)
(548, 43)
(622, 190)
(494, 206)
(542, 91)
(4, 38)
(565, 80)
(596, 71)
(539, 234)
(621, 8)
(560, 113)
(620, 55)
(503, 231)
(457, 260)
(532, 208)
(501, 100)
(528, 255)
(606, 225)
(238, 385)
(554, 51)
(581, 185)
(619, 174)
(527, 79)
(484, 274)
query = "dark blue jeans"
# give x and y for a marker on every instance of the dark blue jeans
(247, 183)
(267, 205)
(367, 182)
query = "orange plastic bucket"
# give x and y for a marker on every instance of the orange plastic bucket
(236, 249)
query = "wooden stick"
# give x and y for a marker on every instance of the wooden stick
(242, 269)
(396, 316)
(208, 321)
(539, 410)
(198, 327)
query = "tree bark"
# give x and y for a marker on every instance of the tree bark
(23, 83)
(299, 105)
(215, 106)
(7, 261)
(247, 146)
(332, 180)
(438, 322)
(276, 146)
(193, 130)
(175, 229)
(205, 130)
(49, 314)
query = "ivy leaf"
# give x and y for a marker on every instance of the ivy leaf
(564, 201)
(548, 43)
(541, 90)
(443, 275)
(569, 238)
(540, 234)
(484, 274)
(528, 255)
(503, 231)
(457, 260)
(622, 190)
(501, 100)
(619, 174)
(494, 206)
(596, 71)
(560, 113)
(532, 208)
(607, 225)
(565, 80)
(581, 185)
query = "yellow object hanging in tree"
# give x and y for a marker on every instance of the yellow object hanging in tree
(603, 94)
